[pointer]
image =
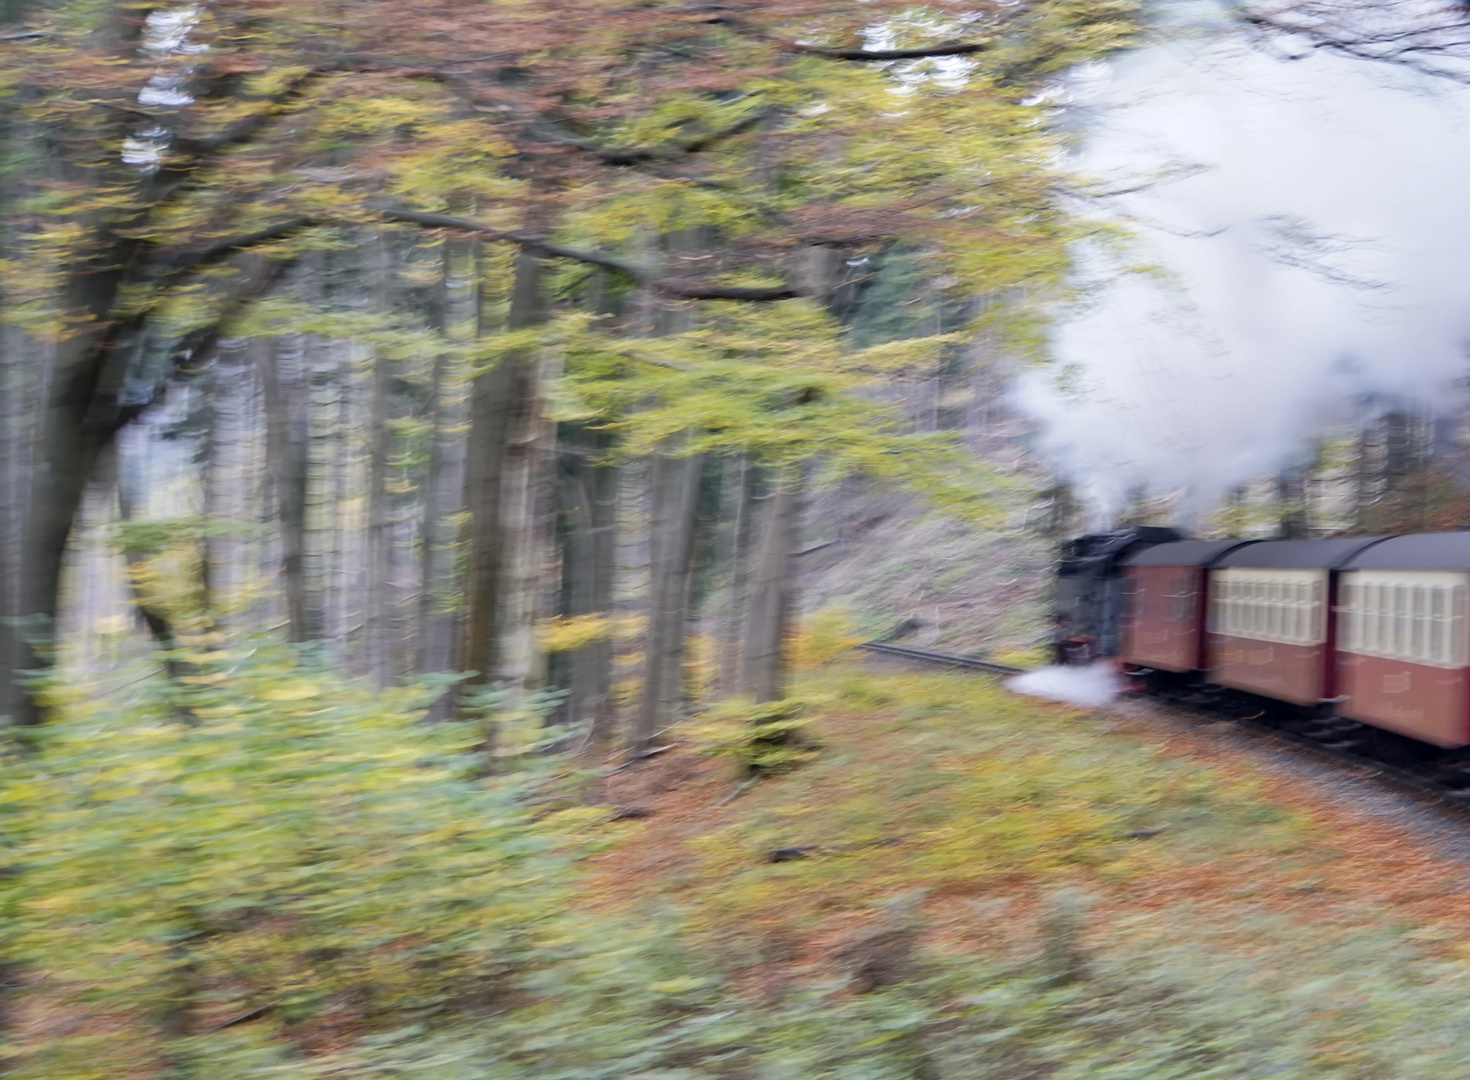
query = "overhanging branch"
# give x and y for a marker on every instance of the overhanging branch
(675, 150)
(874, 56)
(683, 289)
(191, 260)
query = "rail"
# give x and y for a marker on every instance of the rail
(909, 652)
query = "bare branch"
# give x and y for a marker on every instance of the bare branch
(191, 260)
(1430, 45)
(874, 56)
(535, 244)
(683, 289)
(696, 145)
(691, 290)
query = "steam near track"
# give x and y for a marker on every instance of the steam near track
(1090, 687)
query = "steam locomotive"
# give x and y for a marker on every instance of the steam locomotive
(1365, 633)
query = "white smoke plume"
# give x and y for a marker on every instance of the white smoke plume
(1315, 250)
(1090, 687)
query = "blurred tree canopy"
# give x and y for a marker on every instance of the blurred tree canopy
(167, 164)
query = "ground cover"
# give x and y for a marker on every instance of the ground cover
(1306, 937)
(306, 882)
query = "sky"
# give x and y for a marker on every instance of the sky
(1302, 231)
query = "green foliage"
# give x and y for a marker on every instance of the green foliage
(307, 846)
(949, 782)
(153, 536)
(779, 384)
(763, 739)
(894, 298)
(312, 851)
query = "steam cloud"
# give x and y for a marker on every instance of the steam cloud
(1317, 256)
(1090, 687)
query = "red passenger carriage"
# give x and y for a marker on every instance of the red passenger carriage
(1401, 651)
(1375, 630)
(1163, 622)
(1270, 630)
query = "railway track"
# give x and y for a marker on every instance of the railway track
(1428, 781)
(929, 656)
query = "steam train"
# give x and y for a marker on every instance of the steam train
(1364, 636)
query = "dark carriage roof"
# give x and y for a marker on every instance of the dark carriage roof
(1328, 554)
(1184, 553)
(1421, 551)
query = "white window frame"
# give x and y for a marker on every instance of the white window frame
(1417, 616)
(1282, 606)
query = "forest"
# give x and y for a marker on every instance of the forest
(416, 421)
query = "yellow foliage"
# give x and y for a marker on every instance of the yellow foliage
(950, 782)
(824, 636)
(567, 633)
(629, 627)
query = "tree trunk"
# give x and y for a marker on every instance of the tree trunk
(501, 401)
(440, 605)
(763, 666)
(113, 472)
(225, 481)
(674, 501)
(587, 491)
(280, 366)
(530, 524)
(13, 423)
(75, 426)
(739, 492)
(323, 496)
(380, 539)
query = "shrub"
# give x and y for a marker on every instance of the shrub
(761, 739)
(308, 848)
(825, 635)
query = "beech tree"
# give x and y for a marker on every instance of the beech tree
(173, 169)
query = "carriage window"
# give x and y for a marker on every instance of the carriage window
(1437, 627)
(1360, 615)
(1413, 616)
(1181, 598)
(1386, 624)
(1279, 605)
(1380, 617)
(1401, 620)
(1418, 617)
(1457, 625)
(1316, 631)
(1390, 619)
